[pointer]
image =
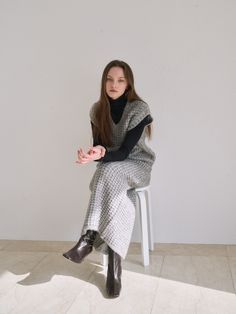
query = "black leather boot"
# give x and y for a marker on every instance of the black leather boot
(113, 284)
(82, 248)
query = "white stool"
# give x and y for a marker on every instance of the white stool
(145, 214)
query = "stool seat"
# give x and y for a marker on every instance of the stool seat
(145, 219)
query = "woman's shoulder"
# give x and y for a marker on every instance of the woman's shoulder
(138, 102)
(92, 112)
(94, 106)
(139, 110)
(137, 106)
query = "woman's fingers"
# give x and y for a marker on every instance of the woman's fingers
(92, 154)
(91, 151)
(82, 161)
(100, 150)
(82, 154)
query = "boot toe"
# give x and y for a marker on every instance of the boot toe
(113, 286)
(113, 294)
(76, 255)
(66, 255)
(74, 258)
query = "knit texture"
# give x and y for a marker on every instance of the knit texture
(134, 112)
(111, 208)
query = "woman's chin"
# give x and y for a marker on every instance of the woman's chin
(113, 95)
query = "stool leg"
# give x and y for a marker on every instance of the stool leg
(144, 227)
(104, 260)
(149, 214)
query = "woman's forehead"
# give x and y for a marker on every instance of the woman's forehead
(116, 71)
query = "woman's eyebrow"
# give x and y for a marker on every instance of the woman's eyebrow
(112, 77)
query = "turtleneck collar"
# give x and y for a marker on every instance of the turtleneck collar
(118, 101)
(117, 107)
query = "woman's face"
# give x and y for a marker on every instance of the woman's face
(116, 82)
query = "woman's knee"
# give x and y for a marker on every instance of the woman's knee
(111, 170)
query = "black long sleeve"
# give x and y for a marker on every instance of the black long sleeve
(131, 139)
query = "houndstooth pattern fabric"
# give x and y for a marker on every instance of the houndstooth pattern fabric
(111, 208)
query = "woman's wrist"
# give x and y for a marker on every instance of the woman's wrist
(103, 152)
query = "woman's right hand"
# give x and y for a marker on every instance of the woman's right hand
(97, 152)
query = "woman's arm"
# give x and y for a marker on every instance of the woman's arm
(131, 139)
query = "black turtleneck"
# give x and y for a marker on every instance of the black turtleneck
(117, 107)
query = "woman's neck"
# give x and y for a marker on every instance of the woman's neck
(118, 101)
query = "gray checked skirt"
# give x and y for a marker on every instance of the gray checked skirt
(111, 209)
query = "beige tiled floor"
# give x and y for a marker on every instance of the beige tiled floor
(181, 278)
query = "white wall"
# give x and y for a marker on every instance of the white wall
(51, 59)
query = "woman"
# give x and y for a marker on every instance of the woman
(120, 122)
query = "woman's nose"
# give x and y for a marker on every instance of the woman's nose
(114, 84)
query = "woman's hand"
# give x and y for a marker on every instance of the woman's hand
(100, 150)
(93, 153)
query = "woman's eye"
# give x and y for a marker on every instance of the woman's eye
(120, 81)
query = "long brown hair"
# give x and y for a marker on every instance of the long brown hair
(103, 131)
